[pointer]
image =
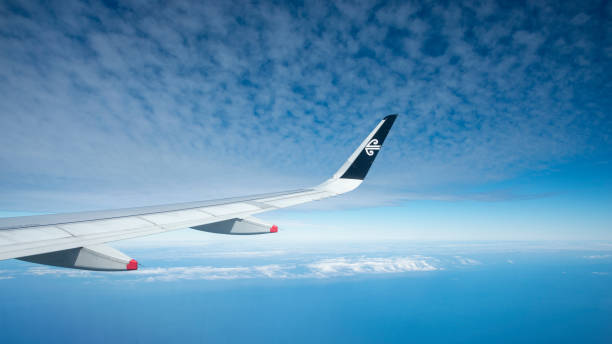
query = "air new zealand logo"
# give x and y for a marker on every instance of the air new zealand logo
(372, 146)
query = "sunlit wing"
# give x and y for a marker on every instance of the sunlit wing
(77, 240)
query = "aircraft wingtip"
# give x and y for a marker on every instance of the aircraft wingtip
(359, 163)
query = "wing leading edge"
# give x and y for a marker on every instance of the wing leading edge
(77, 240)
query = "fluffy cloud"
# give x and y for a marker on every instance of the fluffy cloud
(171, 99)
(323, 268)
(346, 267)
(466, 261)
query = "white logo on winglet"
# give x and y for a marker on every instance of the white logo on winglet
(372, 146)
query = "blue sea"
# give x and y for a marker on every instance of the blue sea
(442, 293)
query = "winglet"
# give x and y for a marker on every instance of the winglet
(355, 169)
(358, 165)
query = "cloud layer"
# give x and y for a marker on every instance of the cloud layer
(183, 95)
(321, 268)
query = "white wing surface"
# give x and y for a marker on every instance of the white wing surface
(77, 240)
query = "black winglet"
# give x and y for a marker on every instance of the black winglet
(368, 150)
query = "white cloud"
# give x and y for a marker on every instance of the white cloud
(466, 261)
(598, 256)
(347, 267)
(5, 275)
(275, 271)
(51, 271)
(195, 273)
(322, 268)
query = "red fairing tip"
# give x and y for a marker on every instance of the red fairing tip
(274, 229)
(132, 265)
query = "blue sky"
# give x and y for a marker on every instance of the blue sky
(504, 127)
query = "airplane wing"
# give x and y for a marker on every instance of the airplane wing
(77, 240)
